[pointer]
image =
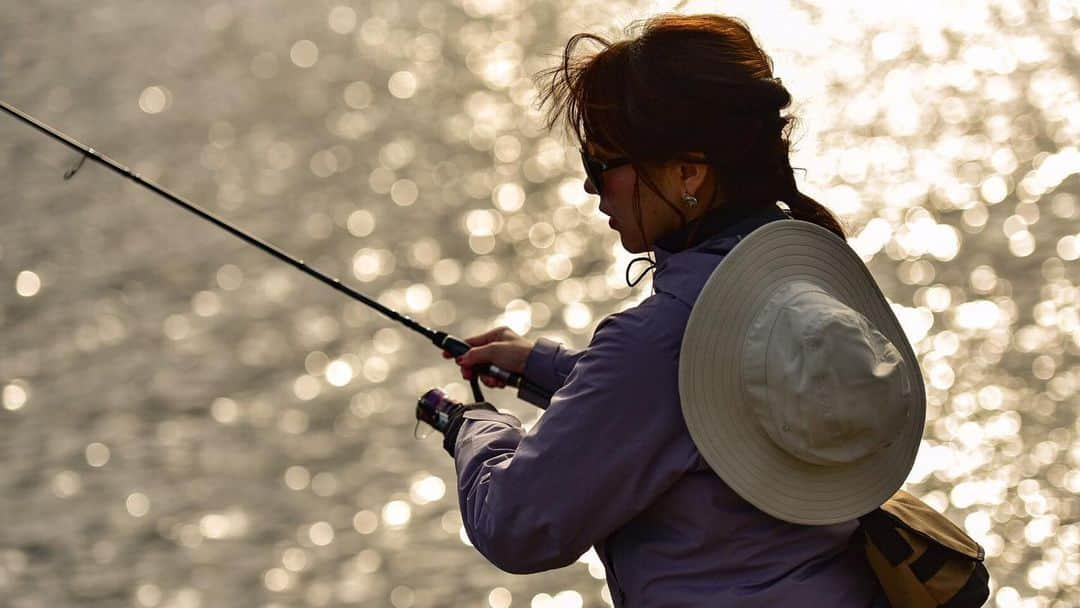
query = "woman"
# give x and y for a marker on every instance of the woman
(690, 109)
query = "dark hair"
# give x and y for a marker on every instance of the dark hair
(687, 83)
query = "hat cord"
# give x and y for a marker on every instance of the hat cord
(644, 258)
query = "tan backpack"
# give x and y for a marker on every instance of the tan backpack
(920, 558)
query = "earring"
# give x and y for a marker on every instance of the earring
(689, 200)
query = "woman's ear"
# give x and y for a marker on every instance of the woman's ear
(692, 178)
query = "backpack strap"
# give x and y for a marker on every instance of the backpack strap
(928, 564)
(881, 531)
(974, 592)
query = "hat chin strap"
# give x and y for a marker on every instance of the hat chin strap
(824, 385)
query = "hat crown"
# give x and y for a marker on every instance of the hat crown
(825, 385)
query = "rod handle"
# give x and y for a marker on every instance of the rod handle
(457, 347)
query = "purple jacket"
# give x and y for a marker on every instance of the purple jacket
(611, 465)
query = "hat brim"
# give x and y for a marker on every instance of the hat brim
(717, 413)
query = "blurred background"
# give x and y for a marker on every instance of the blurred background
(187, 422)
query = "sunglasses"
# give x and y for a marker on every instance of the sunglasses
(595, 168)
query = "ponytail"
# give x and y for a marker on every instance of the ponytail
(805, 208)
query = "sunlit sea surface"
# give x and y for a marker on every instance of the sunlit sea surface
(187, 422)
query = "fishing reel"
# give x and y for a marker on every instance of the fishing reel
(436, 409)
(440, 412)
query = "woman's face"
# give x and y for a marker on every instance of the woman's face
(657, 217)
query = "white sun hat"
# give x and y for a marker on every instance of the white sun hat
(797, 382)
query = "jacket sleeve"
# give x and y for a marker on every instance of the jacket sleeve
(548, 364)
(611, 441)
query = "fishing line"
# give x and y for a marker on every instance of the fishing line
(454, 346)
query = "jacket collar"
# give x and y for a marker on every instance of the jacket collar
(682, 274)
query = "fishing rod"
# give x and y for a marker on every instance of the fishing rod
(454, 346)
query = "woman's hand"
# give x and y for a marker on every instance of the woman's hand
(500, 346)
